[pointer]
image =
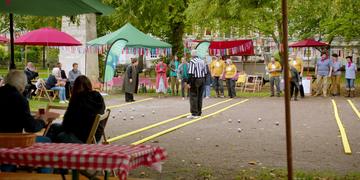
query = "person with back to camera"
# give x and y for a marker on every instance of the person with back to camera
(85, 104)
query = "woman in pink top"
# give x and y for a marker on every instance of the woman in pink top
(161, 79)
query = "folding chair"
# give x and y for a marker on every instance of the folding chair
(259, 81)
(250, 84)
(241, 82)
(43, 92)
(99, 118)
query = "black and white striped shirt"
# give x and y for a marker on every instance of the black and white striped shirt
(197, 68)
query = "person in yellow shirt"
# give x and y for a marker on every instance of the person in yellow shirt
(230, 73)
(217, 70)
(297, 63)
(274, 69)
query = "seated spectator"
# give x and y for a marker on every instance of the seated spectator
(73, 74)
(54, 82)
(64, 79)
(31, 74)
(14, 107)
(79, 117)
(15, 112)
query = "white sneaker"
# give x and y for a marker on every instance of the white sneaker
(62, 102)
(183, 98)
(195, 117)
(190, 116)
(66, 101)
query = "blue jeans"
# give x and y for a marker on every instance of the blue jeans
(62, 93)
(206, 91)
(350, 84)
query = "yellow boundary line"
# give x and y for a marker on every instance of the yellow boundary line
(120, 105)
(184, 124)
(125, 104)
(354, 108)
(159, 123)
(344, 138)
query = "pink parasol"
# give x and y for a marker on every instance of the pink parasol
(3, 39)
(308, 43)
(47, 37)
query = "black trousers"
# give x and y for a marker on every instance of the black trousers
(230, 84)
(129, 97)
(294, 86)
(196, 96)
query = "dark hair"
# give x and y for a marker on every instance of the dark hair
(349, 57)
(81, 84)
(334, 55)
(75, 64)
(322, 53)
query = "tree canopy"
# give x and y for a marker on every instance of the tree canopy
(171, 19)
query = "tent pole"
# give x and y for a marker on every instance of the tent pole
(12, 61)
(43, 57)
(287, 89)
(308, 66)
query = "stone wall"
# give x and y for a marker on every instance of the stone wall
(83, 32)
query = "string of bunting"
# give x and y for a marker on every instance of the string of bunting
(233, 50)
(101, 49)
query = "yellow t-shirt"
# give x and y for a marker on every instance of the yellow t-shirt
(230, 71)
(298, 64)
(274, 66)
(217, 68)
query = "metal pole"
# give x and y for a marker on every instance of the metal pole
(287, 89)
(43, 64)
(12, 61)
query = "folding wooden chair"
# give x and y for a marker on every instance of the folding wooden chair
(259, 81)
(99, 118)
(43, 92)
(250, 84)
(241, 82)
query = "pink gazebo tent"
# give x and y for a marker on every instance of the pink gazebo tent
(47, 37)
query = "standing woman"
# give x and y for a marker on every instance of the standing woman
(131, 80)
(184, 76)
(230, 73)
(350, 75)
(161, 79)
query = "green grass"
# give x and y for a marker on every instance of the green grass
(42, 103)
(281, 174)
(42, 73)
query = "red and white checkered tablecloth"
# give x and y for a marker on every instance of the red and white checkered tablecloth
(85, 156)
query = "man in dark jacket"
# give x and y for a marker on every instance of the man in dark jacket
(31, 74)
(14, 107)
(131, 80)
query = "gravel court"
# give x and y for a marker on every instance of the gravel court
(216, 143)
(351, 123)
(164, 108)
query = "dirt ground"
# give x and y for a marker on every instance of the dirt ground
(215, 146)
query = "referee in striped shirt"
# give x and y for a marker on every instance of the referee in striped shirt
(197, 72)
